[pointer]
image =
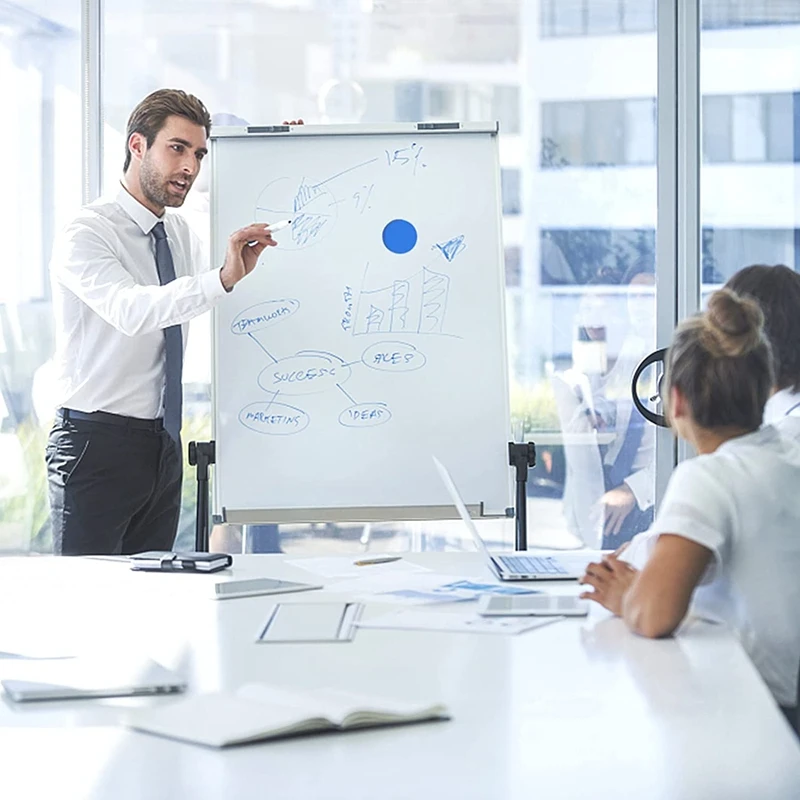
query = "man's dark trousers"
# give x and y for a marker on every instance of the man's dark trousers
(114, 484)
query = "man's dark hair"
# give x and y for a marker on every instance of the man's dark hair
(149, 116)
(777, 292)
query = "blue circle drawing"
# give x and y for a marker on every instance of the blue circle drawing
(399, 236)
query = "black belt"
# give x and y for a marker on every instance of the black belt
(155, 425)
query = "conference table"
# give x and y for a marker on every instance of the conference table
(580, 708)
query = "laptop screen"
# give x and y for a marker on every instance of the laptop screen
(459, 504)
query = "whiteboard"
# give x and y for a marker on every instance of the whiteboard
(372, 336)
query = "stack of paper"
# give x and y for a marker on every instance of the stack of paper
(422, 589)
(411, 619)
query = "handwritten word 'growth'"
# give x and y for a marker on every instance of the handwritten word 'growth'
(241, 325)
(264, 315)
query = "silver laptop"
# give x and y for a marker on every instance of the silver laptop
(516, 565)
(85, 677)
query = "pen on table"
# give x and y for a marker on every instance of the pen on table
(365, 562)
(275, 226)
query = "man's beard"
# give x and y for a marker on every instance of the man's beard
(156, 188)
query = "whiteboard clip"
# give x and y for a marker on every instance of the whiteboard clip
(438, 126)
(269, 128)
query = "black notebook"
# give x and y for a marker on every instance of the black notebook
(165, 561)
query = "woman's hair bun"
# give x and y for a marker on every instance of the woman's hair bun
(733, 325)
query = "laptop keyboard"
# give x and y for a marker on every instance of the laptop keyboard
(529, 565)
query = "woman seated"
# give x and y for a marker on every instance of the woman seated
(727, 536)
(777, 292)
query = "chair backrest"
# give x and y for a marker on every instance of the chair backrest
(585, 483)
(793, 714)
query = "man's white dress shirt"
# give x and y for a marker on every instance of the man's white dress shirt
(110, 310)
(784, 403)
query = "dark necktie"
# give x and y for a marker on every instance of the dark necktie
(173, 342)
(623, 464)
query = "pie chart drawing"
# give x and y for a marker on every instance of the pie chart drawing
(312, 209)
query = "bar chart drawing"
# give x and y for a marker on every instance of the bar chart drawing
(413, 305)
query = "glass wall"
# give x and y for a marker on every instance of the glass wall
(41, 141)
(573, 84)
(750, 84)
(578, 143)
(584, 312)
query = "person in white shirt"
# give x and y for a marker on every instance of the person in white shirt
(627, 461)
(725, 539)
(777, 292)
(126, 279)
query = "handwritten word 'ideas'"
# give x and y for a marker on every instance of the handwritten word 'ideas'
(263, 315)
(365, 415)
(393, 357)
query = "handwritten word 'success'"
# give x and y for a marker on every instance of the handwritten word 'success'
(365, 415)
(304, 373)
(393, 357)
(347, 314)
(275, 419)
(263, 315)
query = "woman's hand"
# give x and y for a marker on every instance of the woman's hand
(610, 578)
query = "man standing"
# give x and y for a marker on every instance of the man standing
(126, 278)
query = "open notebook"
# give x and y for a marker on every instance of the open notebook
(256, 712)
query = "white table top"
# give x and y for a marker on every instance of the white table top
(577, 709)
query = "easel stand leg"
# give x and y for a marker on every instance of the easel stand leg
(521, 456)
(201, 454)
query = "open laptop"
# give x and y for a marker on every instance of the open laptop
(516, 565)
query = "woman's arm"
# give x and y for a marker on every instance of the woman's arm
(652, 602)
(659, 598)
